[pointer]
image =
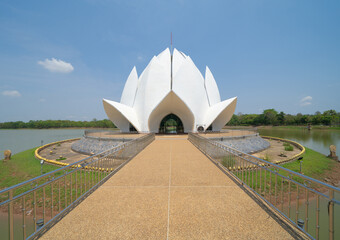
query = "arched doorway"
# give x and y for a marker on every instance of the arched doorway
(171, 124)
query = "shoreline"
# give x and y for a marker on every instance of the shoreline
(114, 129)
(316, 127)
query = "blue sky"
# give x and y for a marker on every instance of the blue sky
(58, 59)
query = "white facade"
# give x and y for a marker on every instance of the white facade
(170, 84)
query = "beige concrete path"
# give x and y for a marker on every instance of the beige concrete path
(168, 191)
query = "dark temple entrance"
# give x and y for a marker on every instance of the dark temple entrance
(171, 124)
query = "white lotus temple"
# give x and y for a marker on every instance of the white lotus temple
(171, 86)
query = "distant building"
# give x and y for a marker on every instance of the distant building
(170, 87)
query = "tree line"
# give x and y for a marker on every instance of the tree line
(40, 124)
(268, 117)
(272, 117)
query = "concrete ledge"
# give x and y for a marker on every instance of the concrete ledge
(62, 164)
(36, 153)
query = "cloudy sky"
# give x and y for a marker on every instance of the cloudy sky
(58, 59)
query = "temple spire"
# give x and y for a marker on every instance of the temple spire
(171, 43)
(171, 61)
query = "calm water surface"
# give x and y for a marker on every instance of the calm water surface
(18, 140)
(316, 139)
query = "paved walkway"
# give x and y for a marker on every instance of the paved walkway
(168, 191)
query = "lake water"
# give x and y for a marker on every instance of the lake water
(18, 140)
(316, 139)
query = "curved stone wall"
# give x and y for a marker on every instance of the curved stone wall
(92, 145)
(248, 144)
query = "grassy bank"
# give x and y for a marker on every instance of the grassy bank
(315, 164)
(21, 167)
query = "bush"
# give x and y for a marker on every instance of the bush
(286, 144)
(289, 148)
(228, 162)
(266, 158)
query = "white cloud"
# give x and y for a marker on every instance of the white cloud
(306, 101)
(140, 58)
(305, 104)
(55, 65)
(42, 100)
(11, 93)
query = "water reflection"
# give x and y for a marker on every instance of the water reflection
(316, 139)
(18, 140)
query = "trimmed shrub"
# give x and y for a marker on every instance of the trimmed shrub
(289, 148)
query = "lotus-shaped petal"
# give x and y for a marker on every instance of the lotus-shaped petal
(170, 84)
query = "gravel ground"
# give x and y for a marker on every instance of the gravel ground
(276, 152)
(62, 150)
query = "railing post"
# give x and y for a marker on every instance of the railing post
(23, 218)
(289, 194)
(44, 203)
(52, 200)
(317, 217)
(242, 169)
(306, 208)
(297, 204)
(10, 214)
(331, 214)
(35, 210)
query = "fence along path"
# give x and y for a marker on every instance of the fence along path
(170, 190)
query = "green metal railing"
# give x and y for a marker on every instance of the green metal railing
(33, 205)
(308, 204)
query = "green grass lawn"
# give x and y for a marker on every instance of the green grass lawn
(314, 164)
(21, 167)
